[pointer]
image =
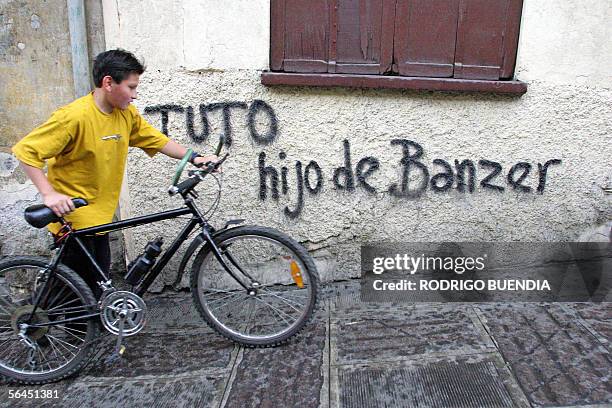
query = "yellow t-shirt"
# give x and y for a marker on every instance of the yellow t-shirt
(86, 151)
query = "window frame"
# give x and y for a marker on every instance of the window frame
(329, 75)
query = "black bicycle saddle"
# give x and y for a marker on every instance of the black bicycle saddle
(40, 215)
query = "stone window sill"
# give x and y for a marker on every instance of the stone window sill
(395, 82)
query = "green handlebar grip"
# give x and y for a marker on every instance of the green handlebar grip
(220, 145)
(181, 167)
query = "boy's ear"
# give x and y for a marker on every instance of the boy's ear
(106, 82)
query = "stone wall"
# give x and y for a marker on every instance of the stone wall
(36, 77)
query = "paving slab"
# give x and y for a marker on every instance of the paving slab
(345, 298)
(169, 353)
(555, 358)
(172, 310)
(598, 317)
(288, 376)
(58, 392)
(386, 335)
(192, 391)
(356, 354)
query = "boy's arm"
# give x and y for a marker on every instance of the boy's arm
(46, 141)
(60, 204)
(175, 150)
(151, 140)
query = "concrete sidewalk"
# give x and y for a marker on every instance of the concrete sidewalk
(354, 354)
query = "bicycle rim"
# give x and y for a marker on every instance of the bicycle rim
(53, 347)
(283, 300)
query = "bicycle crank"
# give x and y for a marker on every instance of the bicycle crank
(123, 313)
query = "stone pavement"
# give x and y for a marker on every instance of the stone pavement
(355, 354)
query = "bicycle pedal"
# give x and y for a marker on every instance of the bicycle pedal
(113, 358)
(116, 356)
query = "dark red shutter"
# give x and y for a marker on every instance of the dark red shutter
(473, 39)
(425, 32)
(299, 35)
(487, 37)
(277, 34)
(511, 39)
(361, 36)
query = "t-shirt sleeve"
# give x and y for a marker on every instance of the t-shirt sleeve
(43, 143)
(145, 136)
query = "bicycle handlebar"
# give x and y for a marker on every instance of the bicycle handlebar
(79, 202)
(184, 185)
(198, 175)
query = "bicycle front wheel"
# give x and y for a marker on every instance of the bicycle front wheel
(281, 286)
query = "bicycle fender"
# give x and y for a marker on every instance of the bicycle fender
(195, 244)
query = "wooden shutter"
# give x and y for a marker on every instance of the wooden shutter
(472, 39)
(361, 36)
(299, 35)
(487, 38)
(425, 32)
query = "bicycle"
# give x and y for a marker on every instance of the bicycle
(49, 317)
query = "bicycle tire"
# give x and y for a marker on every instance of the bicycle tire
(308, 272)
(83, 293)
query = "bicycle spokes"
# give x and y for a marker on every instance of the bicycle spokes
(278, 297)
(39, 340)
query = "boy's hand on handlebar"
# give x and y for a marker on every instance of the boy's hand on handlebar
(203, 160)
(61, 204)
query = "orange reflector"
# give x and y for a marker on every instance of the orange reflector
(297, 274)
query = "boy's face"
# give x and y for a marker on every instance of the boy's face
(123, 93)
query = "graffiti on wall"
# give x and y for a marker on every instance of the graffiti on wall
(256, 108)
(416, 175)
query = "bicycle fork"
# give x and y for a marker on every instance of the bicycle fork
(218, 253)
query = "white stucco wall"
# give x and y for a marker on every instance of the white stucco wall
(214, 52)
(566, 42)
(206, 52)
(192, 34)
(561, 42)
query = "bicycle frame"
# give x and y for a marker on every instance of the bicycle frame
(143, 286)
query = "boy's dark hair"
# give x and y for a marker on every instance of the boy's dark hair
(119, 64)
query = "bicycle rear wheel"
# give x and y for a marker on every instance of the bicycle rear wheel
(48, 353)
(281, 281)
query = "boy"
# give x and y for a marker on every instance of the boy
(85, 145)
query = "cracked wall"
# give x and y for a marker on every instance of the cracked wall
(36, 77)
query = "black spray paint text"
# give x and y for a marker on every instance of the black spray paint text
(416, 177)
(255, 109)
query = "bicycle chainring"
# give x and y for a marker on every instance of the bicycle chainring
(123, 306)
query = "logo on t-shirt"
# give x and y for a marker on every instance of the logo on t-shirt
(115, 137)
